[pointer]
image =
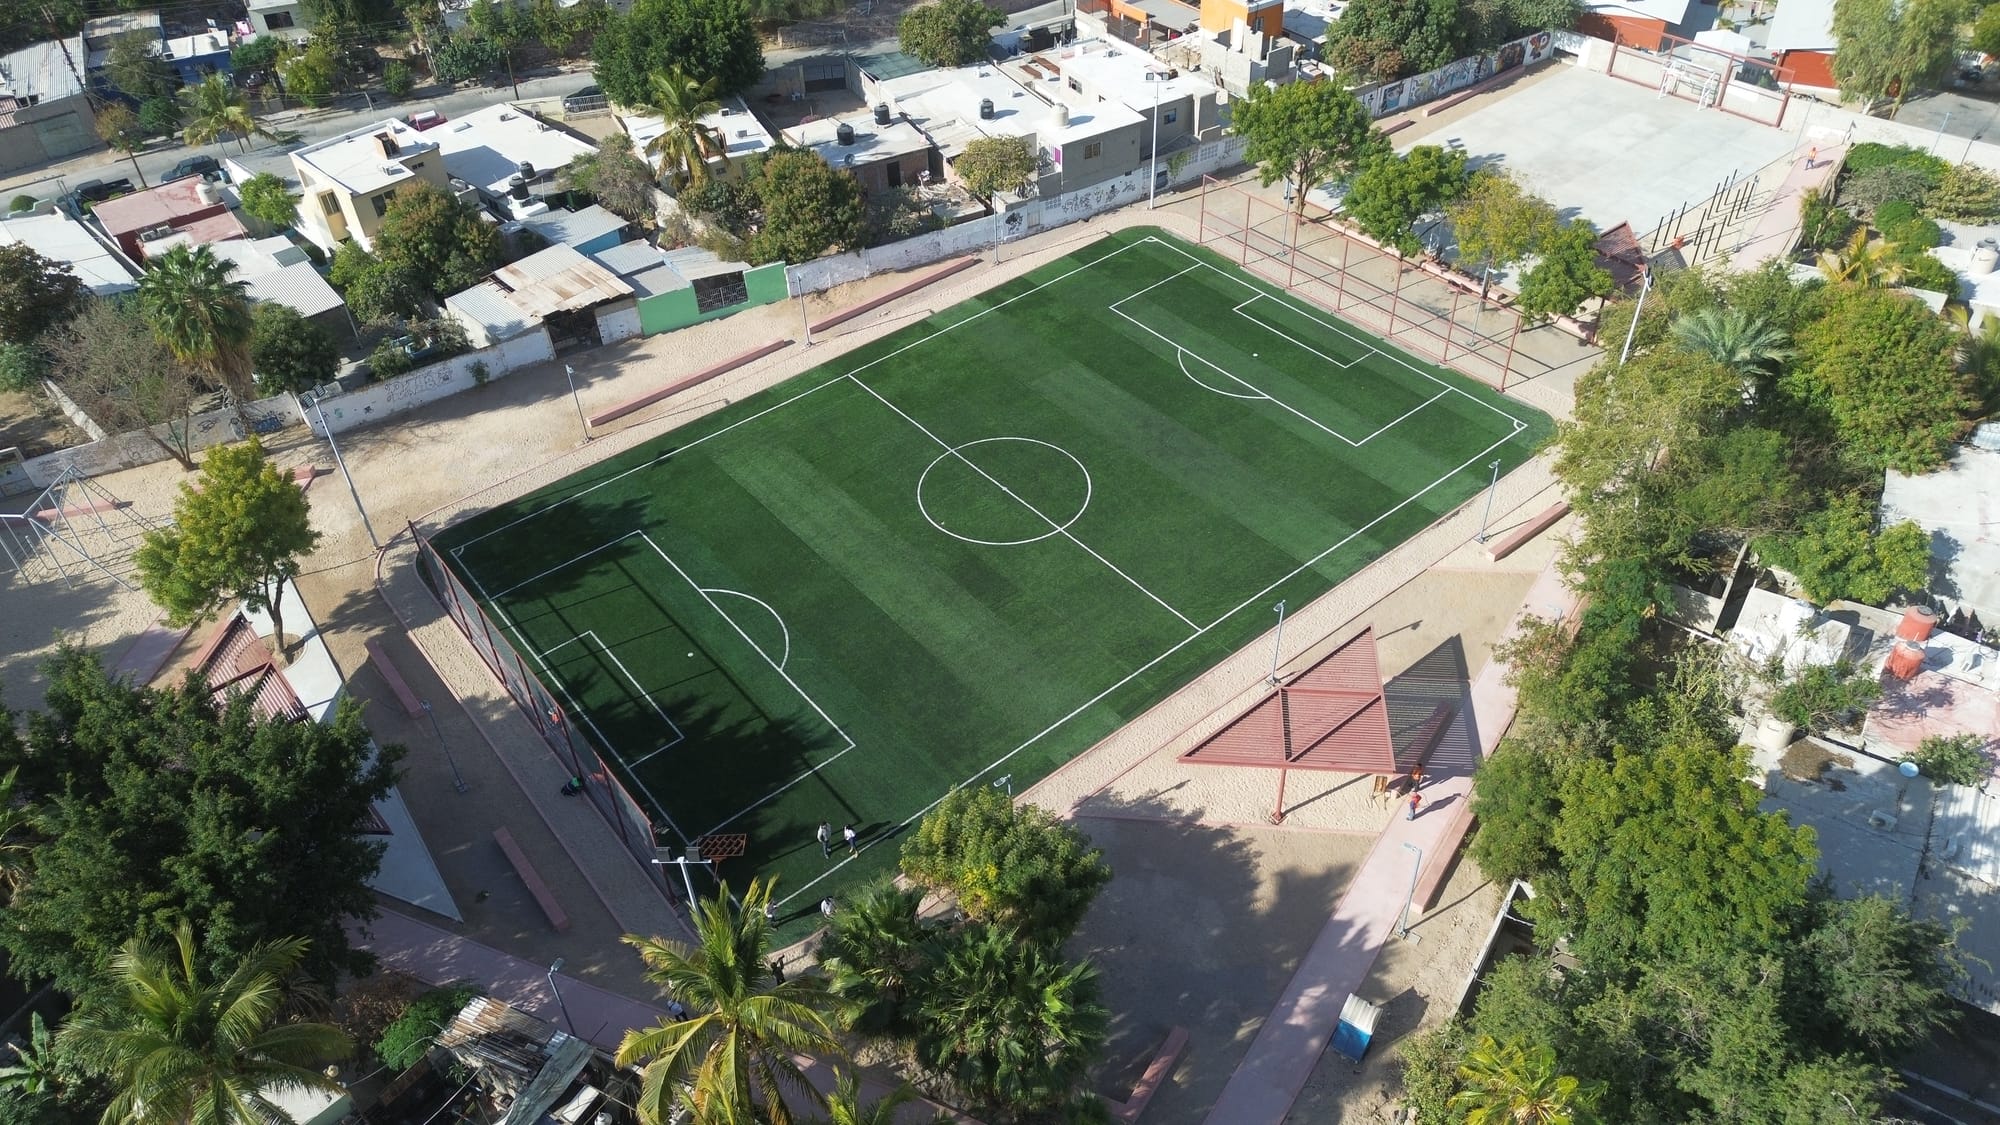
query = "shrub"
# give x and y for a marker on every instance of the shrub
(1822, 694)
(1913, 234)
(1014, 865)
(1822, 222)
(1921, 271)
(480, 372)
(397, 79)
(1958, 760)
(21, 366)
(1965, 194)
(1868, 156)
(1430, 1072)
(406, 1040)
(159, 116)
(389, 360)
(1890, 183)
(22, 203)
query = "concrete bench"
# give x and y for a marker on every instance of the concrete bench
(1506, 545)
(412, 706)
(1150, 1082)
(697, 379)
(544, 897)
(903, 290)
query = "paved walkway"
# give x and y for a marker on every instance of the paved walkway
(1777, 229)
(1282, 1057)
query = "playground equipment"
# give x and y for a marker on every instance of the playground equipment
(75, 526)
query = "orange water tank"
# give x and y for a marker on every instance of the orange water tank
(1917, 623)
(1905, 660)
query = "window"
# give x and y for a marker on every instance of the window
(277, 21)
(720, 291)
(381, 203)
(1075, 85)
(1093, 150)
(329, 203)
(1170, 116)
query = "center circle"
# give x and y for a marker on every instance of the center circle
(1004, 491)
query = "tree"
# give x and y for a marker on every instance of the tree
(265, 197)
(1514, 799)
(408, 1037)
(1958, 759)
(437, 241)
(1886, 48)
(114, 367)
(239, 536)
(1732, 338)
(734, 1057)
(36, 293)
(947, 33)
(164, 804)
(843, 1106)
(875, 954)
(1986, 32)
(1392, 192)
(1016, 866)
(1009, 1022)
(1565, 273)
(1498, 222)
(45, 1085)
(1836, 554)
(159, 117)
(1507, 1084)
(686, 142)
(181, 1046)
(118, 127)
(310, 75)
(1966, 194)
(1381, 40)
(398, 80)
(135, 66)
(709, 39)
(1878, 978)
(1881, 367)
(1869, 265)
(215, 110)
(289, 352)
(1306, 133)
(991, 165)
(374, 289)
(462, 58)
(808, 207)
(201, 314)
(1821, 695)
(22, 367)
(618, 179)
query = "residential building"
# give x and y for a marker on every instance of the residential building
(44, 115)
(288, 19)
(195, 57)
(1801, 40)
(60, 238)
(743, 135)
(512, 157)
(881, 150)
(1238, 44)
(1191, 109)
(99, 33)
(586, 231)
(676, 288)
(1636, 23)
(193, 206)
(1958, 506)
(574, 299)
(275, 269)
(349, 180)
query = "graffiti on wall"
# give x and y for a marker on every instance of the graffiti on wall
(1457, 75)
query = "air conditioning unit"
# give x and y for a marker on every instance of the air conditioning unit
(155, 234)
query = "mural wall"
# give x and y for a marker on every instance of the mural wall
(1456, 75)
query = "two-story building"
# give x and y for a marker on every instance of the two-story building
(512, 157)
(44, 112)
(1090, 72)
(349, 180)
(195, 57)
(194, 207)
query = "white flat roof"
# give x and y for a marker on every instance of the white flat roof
(1116, 70)
(354, 159)
(194, 46)
(872, 142)
(1801, 25)
(63, 239)
(1671, 11)
(946, 104)
(741, 131)
(486, 147)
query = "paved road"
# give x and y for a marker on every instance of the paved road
(310, 125)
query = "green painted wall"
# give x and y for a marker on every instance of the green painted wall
(668, 311)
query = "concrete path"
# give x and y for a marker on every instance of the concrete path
(1287, 1047)
(1777, 230)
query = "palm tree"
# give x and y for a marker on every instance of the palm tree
(1733, 338)
(200, 314)
(182, 1048)
(216, 110)
(21, 832)
(36, 1072)
(1860, 262)
(843, 1106)
(685, 145)
(1506, 1085)
(1979, 350)
(876, 946)
(732, 1060)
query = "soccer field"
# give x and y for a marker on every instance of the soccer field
(965, 552)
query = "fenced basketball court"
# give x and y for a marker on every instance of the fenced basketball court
(958, 555)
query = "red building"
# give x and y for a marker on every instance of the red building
(147, 216)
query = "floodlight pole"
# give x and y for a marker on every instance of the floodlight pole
(344, 474)
(1278, 644)
(1403, 924)
(1491, 488)
(568, 1024)
(457, 779)
(683, 862)
(1644, 288)
(1153, 174)
(805, 318)
(1005, 781)
(569, 373)
(1940, 133)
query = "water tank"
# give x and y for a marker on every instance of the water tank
(1917, 623)
(844, 134)
(881, 113)
(1905, 660)
(986, 109)
(1985, 256)
(517, 188)
(208, 193)
(527, 171)
(1062, 115)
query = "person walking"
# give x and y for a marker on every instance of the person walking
(853, 839)
(1812, 158)
(771, 913)
(825, 840)
(1415, 800)
(778, 969)
(1416, 777)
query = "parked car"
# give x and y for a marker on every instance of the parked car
(1971, 76)
(97, 191)
(425, 119)
(206, 167)
(585, 100)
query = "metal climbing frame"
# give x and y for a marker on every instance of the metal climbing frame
(75, 526)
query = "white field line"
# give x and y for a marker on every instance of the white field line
(679, 735)
(1368, 349)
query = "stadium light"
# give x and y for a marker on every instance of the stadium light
(1277, 645)
(1403, 925)
(568, 1024)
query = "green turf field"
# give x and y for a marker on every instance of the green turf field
(967, 551)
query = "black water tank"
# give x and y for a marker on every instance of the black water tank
(881, 113)
(986, 109)
(527, 171)
(517, 188)
(844, 134)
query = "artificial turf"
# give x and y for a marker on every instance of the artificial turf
(967, 551)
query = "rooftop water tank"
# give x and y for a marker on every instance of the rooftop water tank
(844, 134)
(1917, 623)
(1985, 256)
(986, 109)
(881, 113)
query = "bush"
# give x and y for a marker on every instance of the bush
(1017, 866)
(1430, 1072)
(1915, 233)
(1958, 760)
(159, 116)
(1921, 271)
(22, 203)
(406, 1040)
(1823, 223)
(1869, 156)
(21, 367)
(397, 79)
(1822, 694)
(1879, 187)
(389, 360)
(1965, 194)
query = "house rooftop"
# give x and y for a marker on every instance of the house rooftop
(872, 142)
(572, 228)
(1107, 68)
(1671, 11)
(210, 230)
(356, 160)
(1958, 506)
(487, 147)
(156, 206)
(40, 72)
(741, 132)
(63, 239)
(948, 103)
(1800, 25)
(275, 270)
(517, 297)
(198, 46)
(110, 27)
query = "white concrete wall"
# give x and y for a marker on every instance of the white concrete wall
(426, 385)
(618, 322)
(130, 450)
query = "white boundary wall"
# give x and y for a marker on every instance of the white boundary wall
(131, 450)
(426, 385)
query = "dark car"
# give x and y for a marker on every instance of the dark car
(97, 191)
(1971, 75)
(586, 99)
(206, 167)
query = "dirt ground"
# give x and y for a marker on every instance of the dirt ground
(26, 425)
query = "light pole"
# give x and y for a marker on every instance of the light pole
(1403, 925)
(1940, 133)
(344, 474)
(1005, 781)
(805, 318)
(1644, 287)
(457, 780)
(1153, 188)
(1491, 488)
(569, 1025)
(1277, 644)
(683, 862)
(569, 373)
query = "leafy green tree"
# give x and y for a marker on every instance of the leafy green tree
(1430, 1071)
(991, 165)
(22, 367)
(311, 74)
(260, 52)
(1507, 1084)
(289, 352)
(136, 64)
(398, 80)
(1014, 865)
(1514, 799)
(809, 209)
(1733, 338)
(1009, 1022)
(376, 291)
(462, 58)
(617, 178)
(709, 39)
(409, 1035)
(213, 111)
(949, 32)
(1392, 192)
(844, 1105)
(181, 1046)
(266, 197)
(36, 293)
(118, 127)
(1565, 273)
(1306, 133)
(110, 363)
(20, 834)
(734, 1058)
(1966, 194)
(875, 954)
(160, 116)
(1887, 48)
(163, 804)
(200, 313)
(1986, 31)
(1880, 365)
(1381, 40)
(1820, 695)
(1837, 554)
(1959, 759)
(1498, 222)
(1878, 978)
(687, 142)
(437, 241)
(1823, 224)
(239, 536)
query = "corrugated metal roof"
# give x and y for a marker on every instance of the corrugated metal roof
(557, 279)
(693, 262)
(299, 286)
(486, 305)
(1966, 833)
(628, 258)
(653, 282)
(568, 228)
(1329, 717)
(238, 662)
